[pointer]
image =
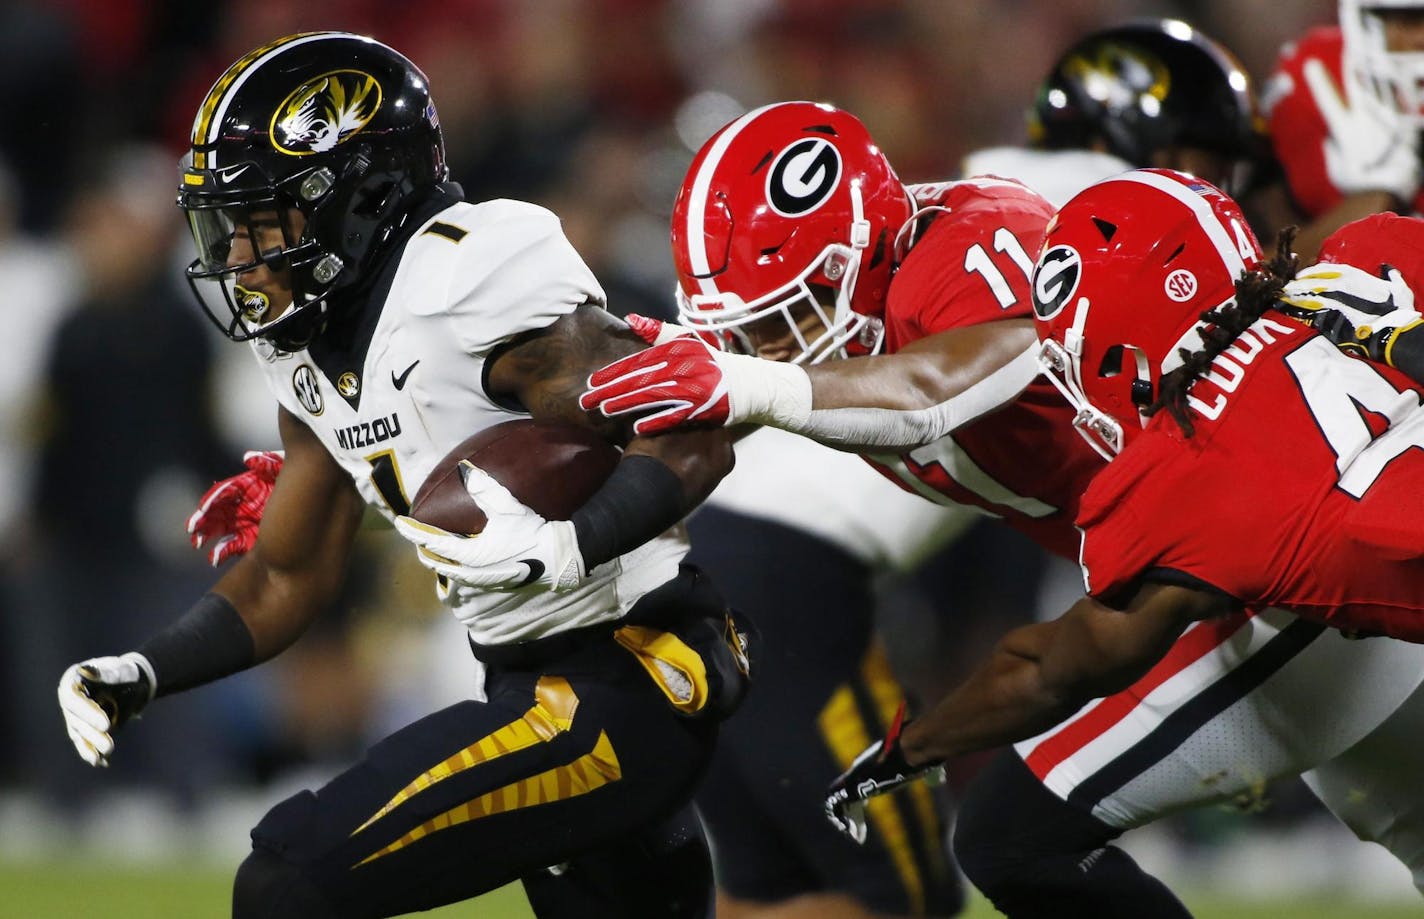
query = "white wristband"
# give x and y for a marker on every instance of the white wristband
(765, 392)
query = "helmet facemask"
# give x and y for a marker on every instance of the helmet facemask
(782, 232)
(318, 146)
(306, 271)
(1062, 365)
(814, 307)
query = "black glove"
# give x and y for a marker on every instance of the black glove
(880, 768)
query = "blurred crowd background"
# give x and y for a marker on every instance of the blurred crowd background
(120, 405)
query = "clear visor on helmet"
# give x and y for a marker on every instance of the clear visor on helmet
(820, 326)
(252, 240)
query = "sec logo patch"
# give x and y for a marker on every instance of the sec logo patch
(308, 393)
(1180, 286)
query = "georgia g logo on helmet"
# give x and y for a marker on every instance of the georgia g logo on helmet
(1055, 280)
(324, 112)
(803, 177)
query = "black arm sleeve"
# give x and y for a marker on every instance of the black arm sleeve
(641, 499)
(206, 643)
(1406, 352)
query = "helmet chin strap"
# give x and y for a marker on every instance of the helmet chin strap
(859, 226)
(1062, 365)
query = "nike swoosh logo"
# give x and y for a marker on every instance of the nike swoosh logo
(536, 571)
(399, 381)
(228, 173)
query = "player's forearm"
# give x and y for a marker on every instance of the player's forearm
(901, 404)
(275, 606)
(656, 484)
(1007, 699)
(1405, 351)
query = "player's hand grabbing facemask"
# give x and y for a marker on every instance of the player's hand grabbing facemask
(1368, 148)
(687, 381)
(230, 512)
(517, 547)
(98, 696)
(1356, 310)
(879, 769)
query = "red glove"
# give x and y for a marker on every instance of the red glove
(228, 513)
(679, 382)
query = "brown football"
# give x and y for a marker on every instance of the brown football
(552, 467)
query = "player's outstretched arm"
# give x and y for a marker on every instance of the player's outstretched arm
(655, 484)
(1036, 676)
(1039, 674)
(256, 609)
(886, 403)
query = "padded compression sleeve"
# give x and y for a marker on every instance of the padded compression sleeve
(206, 643)
(887, 430)
(641, 499)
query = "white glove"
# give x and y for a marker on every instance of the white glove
(1369, 147)
(1349, 305)
(517, 547)
(98, 695)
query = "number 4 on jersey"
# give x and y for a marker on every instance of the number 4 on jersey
(1339, 392)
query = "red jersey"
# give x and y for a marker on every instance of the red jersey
(1303, 488)
(1298, 130)
(1024, 463)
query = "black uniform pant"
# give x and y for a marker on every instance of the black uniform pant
(1036, 856)
(823, 692)
(579, 763)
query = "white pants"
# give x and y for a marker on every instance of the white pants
(1237, 704)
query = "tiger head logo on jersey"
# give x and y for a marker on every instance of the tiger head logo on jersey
(324, 112)
(787, 221)
(1151, 250)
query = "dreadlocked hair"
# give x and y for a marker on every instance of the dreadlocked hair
(1256, 291)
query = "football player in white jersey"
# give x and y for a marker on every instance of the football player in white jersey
(392, 319)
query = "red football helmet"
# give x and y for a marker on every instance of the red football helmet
(1125, 272)
(788, 202)
(1378, 240)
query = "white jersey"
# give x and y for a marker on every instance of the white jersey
(836, 496)
(1056, 174)
(469, 279)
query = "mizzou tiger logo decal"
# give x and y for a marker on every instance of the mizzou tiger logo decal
(324, 112)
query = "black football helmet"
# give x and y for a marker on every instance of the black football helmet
(337, 126)
(1145, 86)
